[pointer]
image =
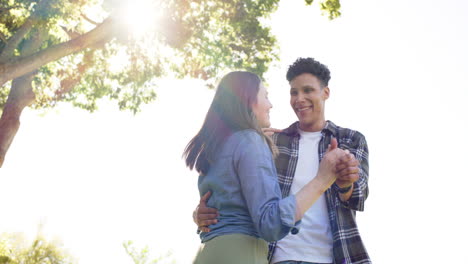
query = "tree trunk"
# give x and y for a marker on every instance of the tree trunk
(21, 95)
(22, 73)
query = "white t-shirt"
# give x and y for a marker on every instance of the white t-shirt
(314, 242)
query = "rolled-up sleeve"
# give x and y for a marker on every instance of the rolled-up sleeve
(273, 216)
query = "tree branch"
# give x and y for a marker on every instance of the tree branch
(34, 42)
(70, 33)
(89, 19)
(67, 84)
(21, 95)
(14, 40)
(3, 37)
(6, 9)
(13, 69)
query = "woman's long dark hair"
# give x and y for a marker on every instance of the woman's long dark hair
(230, 111)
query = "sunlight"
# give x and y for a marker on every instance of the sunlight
(118, 61)
(96, 180)
(141, 16)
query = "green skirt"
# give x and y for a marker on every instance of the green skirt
(233, 249)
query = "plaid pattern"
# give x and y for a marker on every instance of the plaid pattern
(348, 247)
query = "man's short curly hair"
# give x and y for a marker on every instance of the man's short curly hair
(309, 65)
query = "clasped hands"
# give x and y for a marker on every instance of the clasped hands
(339, 165)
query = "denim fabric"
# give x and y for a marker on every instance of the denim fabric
(246, 192)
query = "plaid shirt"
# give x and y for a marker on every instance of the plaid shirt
(348, 247)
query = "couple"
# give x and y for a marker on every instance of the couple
(299, 189)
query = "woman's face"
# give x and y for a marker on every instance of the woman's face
(262, 107)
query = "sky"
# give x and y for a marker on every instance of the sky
(399, 76)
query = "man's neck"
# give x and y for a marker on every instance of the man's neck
(315, 127)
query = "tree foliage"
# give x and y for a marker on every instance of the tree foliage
(80, 51)
(330, 7)
(142, 255)
(15, 249)
(196, 38)
(189, 38)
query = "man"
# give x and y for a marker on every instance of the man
(328, 232)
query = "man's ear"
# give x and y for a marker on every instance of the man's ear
(326, 92)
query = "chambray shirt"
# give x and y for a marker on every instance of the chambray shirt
(246, 192)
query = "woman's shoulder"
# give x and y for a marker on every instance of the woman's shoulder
(246, 136)
(248, 141)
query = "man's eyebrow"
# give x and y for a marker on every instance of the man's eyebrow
(302, 87)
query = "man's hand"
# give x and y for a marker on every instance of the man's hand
(268, 131)
(204, 216)
(347, 170)
(327, 168)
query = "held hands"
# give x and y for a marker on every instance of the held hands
(327, 168)
(347, 170)
(339, 166)
(204, 216)
(343, 166)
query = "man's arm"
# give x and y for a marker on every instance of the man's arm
(354, 176)
(204, 216)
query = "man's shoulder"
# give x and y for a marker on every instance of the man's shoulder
(291, 131)
(345, 134)
(282, 138)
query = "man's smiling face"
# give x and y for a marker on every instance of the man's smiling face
(308, 101)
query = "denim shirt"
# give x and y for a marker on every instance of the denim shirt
(245, 190)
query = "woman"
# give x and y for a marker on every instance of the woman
(235, 162)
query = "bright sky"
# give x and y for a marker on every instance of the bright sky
(399, 75)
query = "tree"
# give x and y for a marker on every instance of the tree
(142, 255)
(14, 249)
(80, 51)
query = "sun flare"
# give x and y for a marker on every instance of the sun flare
(141, 16)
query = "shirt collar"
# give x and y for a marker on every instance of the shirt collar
(293, 130)
(330, 128)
